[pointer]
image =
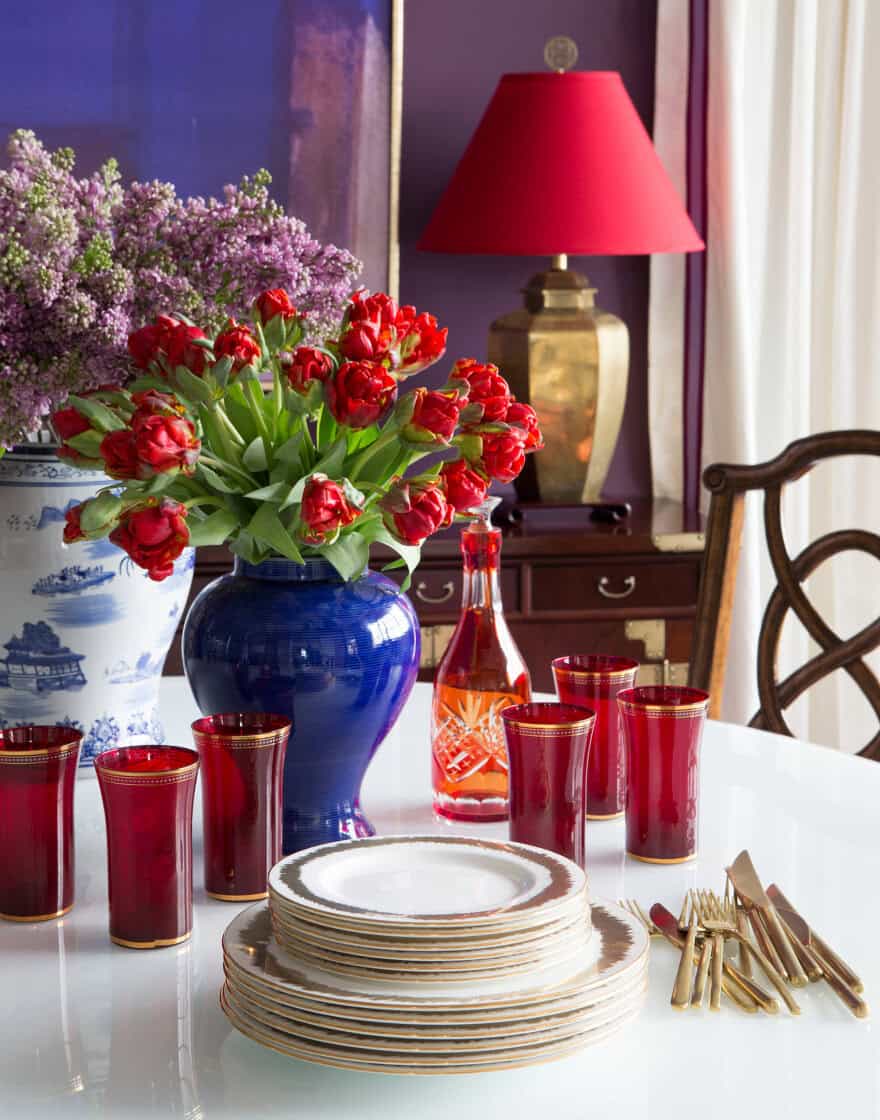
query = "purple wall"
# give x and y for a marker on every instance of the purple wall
(454, 53)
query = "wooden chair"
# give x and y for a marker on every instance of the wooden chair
(728, 486)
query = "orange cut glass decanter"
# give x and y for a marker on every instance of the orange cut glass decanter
(482, 672)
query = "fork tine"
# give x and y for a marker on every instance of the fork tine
(646, 918)
(683, 916)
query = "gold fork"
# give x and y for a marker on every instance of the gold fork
(735, 986)
(724, 922)
(708, 911)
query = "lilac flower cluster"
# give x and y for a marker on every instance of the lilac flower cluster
(83, 262)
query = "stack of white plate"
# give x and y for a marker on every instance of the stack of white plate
(427, 954)
(429, 909)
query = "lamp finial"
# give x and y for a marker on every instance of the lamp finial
(560, 53)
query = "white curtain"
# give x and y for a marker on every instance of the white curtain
(793, 304)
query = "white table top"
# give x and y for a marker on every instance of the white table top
(90, 1029)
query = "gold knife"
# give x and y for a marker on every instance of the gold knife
(819, 947)
(748, 886)
(799, 929)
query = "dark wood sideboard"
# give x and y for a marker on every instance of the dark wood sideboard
(569, 586)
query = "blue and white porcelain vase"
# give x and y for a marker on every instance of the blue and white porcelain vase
(338, 658)
(83, 631)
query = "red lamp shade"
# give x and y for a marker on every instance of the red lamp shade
(560, 163)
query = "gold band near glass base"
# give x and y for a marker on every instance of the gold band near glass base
(237, 897)
(37, 917)
(159, 943)
(606, 816)
(650, 859)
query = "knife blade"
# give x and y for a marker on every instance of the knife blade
(734, 982)
(823, 951)
(747, 885)
(854, 1002)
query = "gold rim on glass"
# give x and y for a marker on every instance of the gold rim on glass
(36, 917)
(595, 674)
(651, 859)
(59, 751)
(172, 773)
(241, 739)
(159, 943)
(528, 725)
(237, 897)
(606, 816)
(630, 699)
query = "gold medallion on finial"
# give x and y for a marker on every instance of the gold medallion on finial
(560, 53)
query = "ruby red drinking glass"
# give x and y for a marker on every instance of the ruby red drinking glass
(242, 757)
(548, 746)
(148, 803)
(663, 725)
(594, 681)
(37, 780)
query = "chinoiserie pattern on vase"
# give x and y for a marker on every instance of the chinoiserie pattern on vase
(83, 631)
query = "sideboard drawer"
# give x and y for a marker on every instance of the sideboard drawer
(623, 583)
(436, 591)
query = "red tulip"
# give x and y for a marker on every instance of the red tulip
(238, 343)
(463, 486)
(360, 393)
(274, 302)
(153, 535)
(434, 417)
(525, 418)
(325, 509)
(486, 387)
(413, 511)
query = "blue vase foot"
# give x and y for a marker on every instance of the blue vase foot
(307, 830)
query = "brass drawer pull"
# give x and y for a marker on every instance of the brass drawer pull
(629, 586)
(422, 592)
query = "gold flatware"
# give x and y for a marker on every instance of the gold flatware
(825, 953)
(747, 885)
(726, 924)
(681, 989)
(761, 937)
(738, 988)
(742, 924)
(706, 959)
(708, 908)
(799, 929)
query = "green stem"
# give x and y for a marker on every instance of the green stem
(203, 500)
(229, 428)
(377, 445)
(256, 400)
(235, 472)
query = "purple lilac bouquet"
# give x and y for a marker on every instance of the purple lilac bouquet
(84, 262)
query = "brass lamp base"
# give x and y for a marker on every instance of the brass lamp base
(570, 361)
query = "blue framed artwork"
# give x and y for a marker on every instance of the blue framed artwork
(201, 92)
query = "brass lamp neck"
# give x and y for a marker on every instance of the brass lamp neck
(560, 261)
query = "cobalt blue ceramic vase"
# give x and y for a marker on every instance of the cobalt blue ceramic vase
(339, 658)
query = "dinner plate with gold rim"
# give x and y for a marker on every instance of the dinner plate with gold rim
(414, 881)
(372, 941)
(620, 947)
(494, 1061)
(380, 1018)
(426, 1029)
(484, 957)
(378, 1044)
(427, 972)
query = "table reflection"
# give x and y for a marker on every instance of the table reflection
(47, 1060)
(151, 1069)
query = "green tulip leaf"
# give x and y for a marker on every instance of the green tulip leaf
(266, 526)
(97, 414)
(213, 529)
